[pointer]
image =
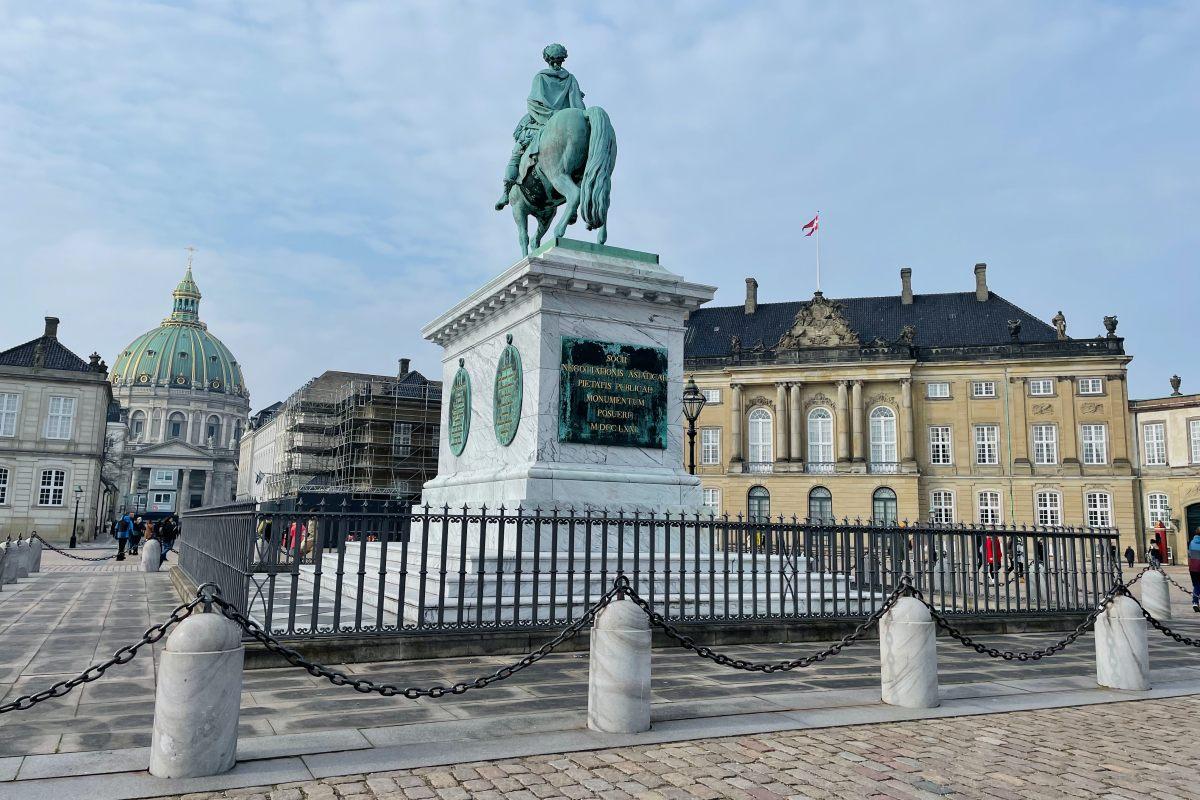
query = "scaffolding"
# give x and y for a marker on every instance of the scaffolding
(368, 437)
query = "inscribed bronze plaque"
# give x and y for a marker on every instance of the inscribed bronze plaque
(612, 394)
(506, 398)
(458, 424)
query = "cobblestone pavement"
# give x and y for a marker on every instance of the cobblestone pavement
(54, 626)
(1148, 749)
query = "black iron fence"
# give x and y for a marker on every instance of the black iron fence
(359, 569)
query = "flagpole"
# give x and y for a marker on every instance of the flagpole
(818, 235)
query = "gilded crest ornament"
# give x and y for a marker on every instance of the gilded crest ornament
(819, 323)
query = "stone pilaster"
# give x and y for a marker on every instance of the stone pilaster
(859, 421)
(906, 424)
(795, 423)
(736, 446)
(841, 421)
(781, 415)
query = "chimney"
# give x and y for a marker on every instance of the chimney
(751, 295)
(404, 362)
(906, 286)
(51, 328)
(981, 290)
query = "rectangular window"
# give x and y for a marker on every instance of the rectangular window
(1091, 386)
(3, 486)
(712, 500)
(1154, 435)
(1095, 444)
(1045, 444)
(1157, 509)
(162, 477)
(1049, 508)
(710, 445)
(160, 498)
(9, 405)
(983, 389)
(401, 439)
(712, 397)
(51, 487)
(989, 508)
(941, 507)
(941, 448)
(938, 390)
(1099, 509)
(1194, 440)
(60, 419)
(987, 444)
(1041, 387)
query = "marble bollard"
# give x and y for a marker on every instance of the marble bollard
(22, 557)
(35, 558)
(1122, 655)
(8, 562)
(151, 551)
(908, 655)
(619, 670)
(1156, 595)
(1038, 587)
(198, 699)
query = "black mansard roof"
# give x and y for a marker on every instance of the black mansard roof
(944, 326)
(55, 354)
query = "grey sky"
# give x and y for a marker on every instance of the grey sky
(335, 163)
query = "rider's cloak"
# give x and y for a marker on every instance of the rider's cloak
(553, 90)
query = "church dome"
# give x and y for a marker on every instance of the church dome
(180, 353)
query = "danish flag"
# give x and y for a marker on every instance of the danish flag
(813, 225)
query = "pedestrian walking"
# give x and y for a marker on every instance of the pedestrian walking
(1194, 568)
(124, 530)
(168, 532)
(1152, 554)
(1130, 555)
(135, 536)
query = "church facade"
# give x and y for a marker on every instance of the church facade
(953, 407)
(183, 407)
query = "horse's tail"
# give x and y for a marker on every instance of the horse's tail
(597, 173)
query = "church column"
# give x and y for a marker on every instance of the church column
(208, 486)
(133, 480)
(735, 425)
(906, 422)
(856, 408)
(781, 415)
(185, 482)
(796, 448)
(841, 420)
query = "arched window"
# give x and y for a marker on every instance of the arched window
(820, 440)
(212, 430)
(137, 425)
(883, 439)
(175, 425)
(758, 504)
(820, 505)
(761, 433)
(883, 506)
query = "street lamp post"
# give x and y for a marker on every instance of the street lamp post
(75, 522)
(693, 403)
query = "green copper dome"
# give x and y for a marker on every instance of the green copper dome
(180, 353)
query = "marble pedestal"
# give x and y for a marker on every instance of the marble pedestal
(566, 289)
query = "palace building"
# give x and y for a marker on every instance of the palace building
(1168, 434)
(957, 408)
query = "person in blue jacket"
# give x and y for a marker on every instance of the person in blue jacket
(1194, 568)
(124, 529)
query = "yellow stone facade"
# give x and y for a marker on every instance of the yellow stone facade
(898, 408)
(1168, 439)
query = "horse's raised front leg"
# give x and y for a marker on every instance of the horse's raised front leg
(543, 226)
(570, 192)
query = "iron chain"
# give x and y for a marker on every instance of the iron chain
(96, 671)
(658, 620)
(1033, 655)
(256, 632)
(68, 554)
(1154, 623)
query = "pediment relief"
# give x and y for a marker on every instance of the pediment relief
(759, 400)
(879, 398)
(818, 399)
(173, 448)
(819, 323)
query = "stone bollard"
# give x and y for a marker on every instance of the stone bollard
(22, 555)
(8, 562)
(1122, 656)
(198, 699)
(151, 550)
(1038, 586)
(908, 655)
(35, 559)
(619, 670)
(1156, 595)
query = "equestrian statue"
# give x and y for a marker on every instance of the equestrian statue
(563, 155)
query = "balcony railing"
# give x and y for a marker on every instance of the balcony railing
(883, 467)
(760, 467)
(819, 467)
